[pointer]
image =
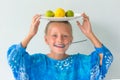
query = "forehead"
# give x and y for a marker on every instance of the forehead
(59, 25)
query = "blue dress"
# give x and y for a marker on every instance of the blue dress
(75, 67)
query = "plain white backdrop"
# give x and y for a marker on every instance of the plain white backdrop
(15, 20)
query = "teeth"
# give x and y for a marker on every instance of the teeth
(60, 46)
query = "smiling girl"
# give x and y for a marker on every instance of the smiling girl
(57, 64)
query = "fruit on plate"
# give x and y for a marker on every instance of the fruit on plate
(69, 13)
(59, 12)
(49, 13)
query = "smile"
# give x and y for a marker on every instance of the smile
(60, 45)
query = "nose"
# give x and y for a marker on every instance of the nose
(60, 39)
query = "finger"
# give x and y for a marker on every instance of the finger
(78, 23)
(85, 16)
(85, 19)
(37, 22)
(35, 18)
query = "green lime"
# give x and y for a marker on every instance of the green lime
(49, 13)
(69, 13)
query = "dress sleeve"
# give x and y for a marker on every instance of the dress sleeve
(18, 58)
(98, 71)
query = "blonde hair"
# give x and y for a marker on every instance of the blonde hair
(65, 22)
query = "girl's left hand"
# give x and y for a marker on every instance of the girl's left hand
(85, 27)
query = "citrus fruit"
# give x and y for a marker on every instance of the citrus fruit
(69, 13)
(49, 13)
(59, 12)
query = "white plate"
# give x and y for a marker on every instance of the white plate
(61, 18)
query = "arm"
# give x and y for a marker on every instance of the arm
(86, 29)
(33, 30)
(18, 58)
(99, 64)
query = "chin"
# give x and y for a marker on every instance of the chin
(59, 52)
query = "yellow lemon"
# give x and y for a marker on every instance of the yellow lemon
(59, 12)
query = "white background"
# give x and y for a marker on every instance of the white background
(15, 20)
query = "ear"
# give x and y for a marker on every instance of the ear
(46, 39)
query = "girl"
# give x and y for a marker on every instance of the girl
(57, 64)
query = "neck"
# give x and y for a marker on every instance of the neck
(57, 56)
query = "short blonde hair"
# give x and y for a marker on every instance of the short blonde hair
(65, 22)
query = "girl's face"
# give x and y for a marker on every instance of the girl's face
(58, 37)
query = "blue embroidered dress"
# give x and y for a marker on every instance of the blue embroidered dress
(74, 67)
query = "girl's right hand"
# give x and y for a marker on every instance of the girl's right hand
(34, 25)
(33, 30)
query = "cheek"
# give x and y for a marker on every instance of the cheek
(49, 41)
(68, 41)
